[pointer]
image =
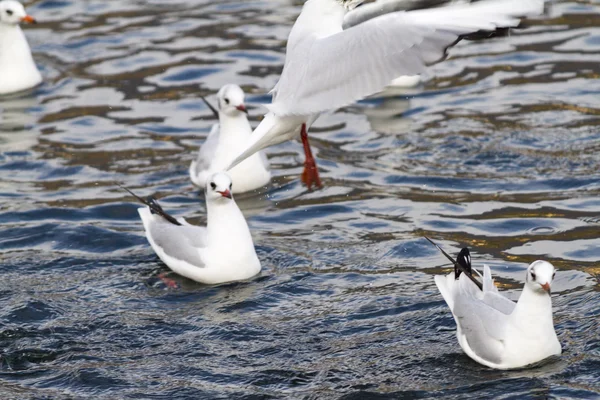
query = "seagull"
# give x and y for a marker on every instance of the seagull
(223, 251)
(493, 330)
(328, 67)
(17, 69)
(229, 137)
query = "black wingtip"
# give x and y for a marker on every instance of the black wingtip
(214, 110)
(463, 259)
(461, 264)
(152, 204)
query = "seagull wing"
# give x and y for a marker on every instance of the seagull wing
(492, 297)
(483, 326)
(380, 7)
(327, 73)
(180, 242)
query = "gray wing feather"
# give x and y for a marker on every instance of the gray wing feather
(483, 326)
(180, 242)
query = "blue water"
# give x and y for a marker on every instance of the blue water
(497, 150)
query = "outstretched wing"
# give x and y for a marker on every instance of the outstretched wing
(381, 7)
(322, 74)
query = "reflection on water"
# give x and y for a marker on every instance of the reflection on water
(496, 150)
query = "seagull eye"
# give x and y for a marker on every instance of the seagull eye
(553, 275)
(212, 185)
(230, 185)
(226, 101)
(533, 275)
(9, 12)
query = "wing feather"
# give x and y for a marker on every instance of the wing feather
(331, 72)
(179, 242)
(483, 326)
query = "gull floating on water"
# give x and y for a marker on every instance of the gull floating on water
(327, 67)
(223, 251)
(17, 68)
(493, 330)
(226, 139)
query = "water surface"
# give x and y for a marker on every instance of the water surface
(497, 150)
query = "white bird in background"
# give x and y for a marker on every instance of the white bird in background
(17, 68)
(327, 67)
(493, 330)
(223, 251)
(228, 138)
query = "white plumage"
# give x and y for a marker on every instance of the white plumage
(327, 67)
(17, 69)
(495, 331)
(226, 139)
(223, 251)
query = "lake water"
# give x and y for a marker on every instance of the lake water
(498, 150)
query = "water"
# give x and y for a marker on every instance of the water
(497, 151)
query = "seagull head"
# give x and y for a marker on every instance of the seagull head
(540, 275)
(13, 13)
(231, 100)
(218, 187)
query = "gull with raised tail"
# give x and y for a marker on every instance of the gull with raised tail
(227, 138)
(493, 330)
(223, 251)
(18, 71)
(328, 67)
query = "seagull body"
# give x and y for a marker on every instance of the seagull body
(497, 332)
(229, 137)
(17, 68)
(328, 67)
(223, 251)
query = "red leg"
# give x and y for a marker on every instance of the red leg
(170, 283)
(310, 175)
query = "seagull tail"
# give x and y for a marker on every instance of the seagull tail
(153, 206)
(271, 130)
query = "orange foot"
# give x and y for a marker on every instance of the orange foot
(310, 175)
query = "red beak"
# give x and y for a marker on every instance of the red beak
(226, 193)
(546, 287)
(29, 19)
(242, 108)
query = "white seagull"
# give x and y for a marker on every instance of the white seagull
(223, 251)
(493, 330)
(328, 67)
(17, 68)
(228, 138)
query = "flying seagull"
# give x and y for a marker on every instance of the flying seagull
(328, 67)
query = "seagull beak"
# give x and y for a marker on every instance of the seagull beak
(29, 19)
(546, 287)
(226, 193)
(242, 108)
